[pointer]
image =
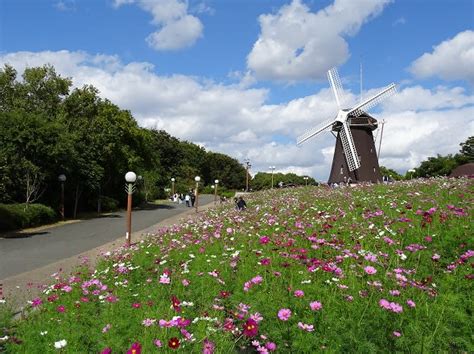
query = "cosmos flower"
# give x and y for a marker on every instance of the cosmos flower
(60, 344)
(315, 305)
(174, 343)
(284, 314)
(250, 328)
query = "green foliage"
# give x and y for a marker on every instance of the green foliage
(16, 216)
(263, 180)
(394, 175)
(467, 149)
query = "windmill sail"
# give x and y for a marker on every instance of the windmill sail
(335, 81)
(312, 132)
(348, 145)
(373, 101)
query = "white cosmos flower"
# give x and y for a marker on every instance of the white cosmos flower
(60, 344)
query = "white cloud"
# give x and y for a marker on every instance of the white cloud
(238, 121)
(450, 60)
(297, 44)
(177, 29)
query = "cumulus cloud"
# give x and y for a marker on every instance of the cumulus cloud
(450, 60)
(237, 120)
(177, 28)
(297, 44)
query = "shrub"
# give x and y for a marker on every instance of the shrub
(17, 216)
(109, 204)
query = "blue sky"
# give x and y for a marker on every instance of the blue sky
(263, 94)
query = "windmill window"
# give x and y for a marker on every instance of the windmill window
(374, 169)
(342, 170)
(371, 150)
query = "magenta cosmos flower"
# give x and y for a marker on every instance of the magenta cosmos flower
(250, 328)
(284, 314)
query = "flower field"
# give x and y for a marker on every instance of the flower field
(369, 269)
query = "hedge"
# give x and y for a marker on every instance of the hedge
(18, 216)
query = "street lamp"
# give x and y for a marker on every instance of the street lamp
(62, 179)
(411, 171)
(197, 179)
(306, 180)
(130, 178)
(273, 169)
(247, 167)
(216, 182)
(172, 186)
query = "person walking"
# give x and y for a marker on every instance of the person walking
(187, 199)
(193, 198)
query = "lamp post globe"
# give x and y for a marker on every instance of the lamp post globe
(130, 177)
(62, 178)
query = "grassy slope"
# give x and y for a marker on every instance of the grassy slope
(319, 241)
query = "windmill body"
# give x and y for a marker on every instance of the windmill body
(355, 157)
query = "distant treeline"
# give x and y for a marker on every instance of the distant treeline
(48, 129)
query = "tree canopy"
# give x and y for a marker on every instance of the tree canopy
(48, 128)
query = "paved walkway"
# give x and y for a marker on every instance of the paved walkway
(26, 263)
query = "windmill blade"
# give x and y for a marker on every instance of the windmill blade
(373, 101)
(336, 85)
(348, 145)
(312, 132)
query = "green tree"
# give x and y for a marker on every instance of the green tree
(467, 149)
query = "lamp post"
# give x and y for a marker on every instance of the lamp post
(273, 169)
(172, 186)
(247, 167)
(216, 182)
(306, 180)
(197, 179)
(62, 179)
(130, 178)
(411, 171)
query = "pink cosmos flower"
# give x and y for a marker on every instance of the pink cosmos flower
(396, 334)
(148, 322)
(208, 347)
(264, 240)
(164, 279)
(298, 293)
(265, 261)
(185, 282)
(106, 328)
(257, 280)
(411, 303)
(61, 308)
(271, 346)
(306, 327)
(257, 317)
(315, 305)
(229, 230)
(284, 314)
(158, 343)
(36, 302)
(370, 270)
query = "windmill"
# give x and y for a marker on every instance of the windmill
(355, 157)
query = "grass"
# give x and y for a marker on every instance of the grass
(369, 269)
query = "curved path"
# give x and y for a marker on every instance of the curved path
(49, 245)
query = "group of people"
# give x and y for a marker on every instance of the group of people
(188, 198)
